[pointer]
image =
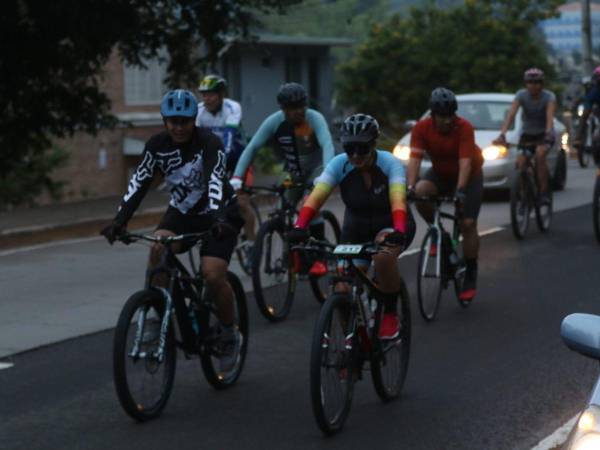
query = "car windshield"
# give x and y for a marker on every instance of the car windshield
(484, 115)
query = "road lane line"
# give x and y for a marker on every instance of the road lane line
(4, 365)
(558, 437)
(48, 245)
(482, 233)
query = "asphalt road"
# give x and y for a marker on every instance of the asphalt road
(494, 376)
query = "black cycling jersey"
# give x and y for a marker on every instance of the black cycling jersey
(194, 173)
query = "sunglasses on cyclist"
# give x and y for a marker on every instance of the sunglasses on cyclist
(358, 148)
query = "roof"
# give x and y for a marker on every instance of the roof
(487, 96)
(280, 39)
(576, 6)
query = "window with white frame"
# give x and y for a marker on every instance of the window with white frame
(145, 86)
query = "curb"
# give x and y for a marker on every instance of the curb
(38, 234)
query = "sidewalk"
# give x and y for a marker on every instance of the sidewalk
(37, 225)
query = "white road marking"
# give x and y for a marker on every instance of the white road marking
(4, 365)
(558, 437)
(482, 233)
(48, 245)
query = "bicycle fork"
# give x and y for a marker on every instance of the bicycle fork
(159, 353)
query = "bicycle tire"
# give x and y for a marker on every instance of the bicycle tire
(543, 213)
(319, 285)
(284, 272)
(428, 312)
(128, 399)
(245, 256)
(329, 422)
(388, 387)
(213, 376)
(596, 208)
(583, 157)
(520, 207)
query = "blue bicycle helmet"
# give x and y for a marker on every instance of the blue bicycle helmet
(179, 103)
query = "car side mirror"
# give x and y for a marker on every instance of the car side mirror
(581, 333)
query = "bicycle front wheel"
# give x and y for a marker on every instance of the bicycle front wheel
(390, 365)
(583, 156)
(543, 212)
(143, 378)
(331, 364)
(209, 359)
(429, 277)
(242, 251)
(596, 207)
(519, 206)
(320, 284)
(273, 276)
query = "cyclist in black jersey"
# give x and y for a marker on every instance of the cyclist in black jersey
(192, 162)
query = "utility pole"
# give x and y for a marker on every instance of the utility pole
(586, 36)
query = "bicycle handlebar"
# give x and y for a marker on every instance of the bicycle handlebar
(433, 199)
(128, 238)
(275, 188)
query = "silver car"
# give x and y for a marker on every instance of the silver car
(487, 111)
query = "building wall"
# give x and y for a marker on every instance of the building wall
(263, 70)
(563, 33)
(98, 166)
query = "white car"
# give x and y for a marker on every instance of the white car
(486, 111)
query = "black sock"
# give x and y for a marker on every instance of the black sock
(471, 264)
(390, 302)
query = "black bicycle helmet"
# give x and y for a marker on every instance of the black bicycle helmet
(359, 128)
(292, 95)
(443, 102)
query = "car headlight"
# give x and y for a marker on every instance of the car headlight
(494, 152)
(402, 152)
(580, 110)
(587, 434)
(564, 139)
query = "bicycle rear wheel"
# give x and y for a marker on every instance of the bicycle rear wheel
(543, 212)
(273, 275)
(242, 251)
(143, 380)
(520, 207)
(389, 367)
(320, 284)
(429, 279)
(208, 357)
(596, 207)
(331, 364)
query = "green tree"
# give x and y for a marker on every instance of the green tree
(52, 55)
(478, 46)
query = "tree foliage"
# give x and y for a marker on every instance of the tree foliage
(482, 45)
(51, 59)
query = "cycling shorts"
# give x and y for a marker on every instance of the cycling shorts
(474, 191)
(179, 223)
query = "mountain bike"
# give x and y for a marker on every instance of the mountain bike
(440, 260)
(274, 277)
(525, 196)
(155, 321)
(346, 337)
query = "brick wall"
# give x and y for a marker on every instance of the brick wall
(88, 173)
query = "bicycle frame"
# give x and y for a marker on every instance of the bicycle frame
(436, 224)
(181, 285)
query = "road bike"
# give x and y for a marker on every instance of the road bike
(525, 196)
(155, 321)
(593, 125)
(274, 276)
(346, 337)
(440, 259)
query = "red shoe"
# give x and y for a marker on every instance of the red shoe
(390, 326)
(318, 269)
